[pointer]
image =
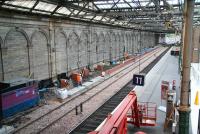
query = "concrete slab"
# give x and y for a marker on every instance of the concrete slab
(85, 85)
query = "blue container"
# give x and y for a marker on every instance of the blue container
(20, 107)
(17, 98)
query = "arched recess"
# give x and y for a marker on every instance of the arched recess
(113, 46)
(121, 46)
(116, 46)
(15, 55)
(130, 44)
(134, 42)
(107, 48)
(61, 52)
(127, 43)
(73, 59)
(1, 61)
(83, 50)
(40, 55)
(138, 48)
(142, 41)
(93, 49)
(101, 43)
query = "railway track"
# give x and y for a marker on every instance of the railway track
(35, 126)
(96, 118)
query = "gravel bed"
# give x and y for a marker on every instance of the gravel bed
(72, 117)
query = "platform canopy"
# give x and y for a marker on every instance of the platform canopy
(154, 15)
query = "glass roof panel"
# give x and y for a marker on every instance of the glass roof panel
(75, 11)
(105, 19)
(103, 2)
(40, 12)
(172, 1)
(103, 7)
(133, 4)
(16, 8)
(98, 17)
(91, 6)
(143, 2)
(45, 6)
(63, 10)
(82, 13)
(22, 3)
(107, 6)
(88, 17)
(122, 5)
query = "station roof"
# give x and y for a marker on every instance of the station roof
(154, 15)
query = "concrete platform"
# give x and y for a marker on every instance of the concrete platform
(195, 86)
(166, 69)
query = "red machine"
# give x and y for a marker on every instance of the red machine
(128, 111)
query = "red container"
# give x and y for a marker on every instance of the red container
(76, 77)
(64, 83)
(85, 72)
(99, 67)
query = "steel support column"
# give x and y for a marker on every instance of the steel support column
(184, 109)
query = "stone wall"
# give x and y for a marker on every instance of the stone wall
(41, 48)
(196, 45)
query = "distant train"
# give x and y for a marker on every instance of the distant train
(175, 51)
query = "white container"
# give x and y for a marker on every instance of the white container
(61, 93)
(6, 130)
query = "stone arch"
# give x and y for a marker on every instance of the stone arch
(117, 47)
(113, 46)
(142, 41)
(73, 51)
(15, 55)
(100, 51)
(121, 46)
(126, 43)
(107, 47)
(1, 61)
(138, 47)
(40, 55)
(16, 30)
(44, 34)
(93, 49)
(134, 35)
(61, 52)
(83, 49)
(130, 39)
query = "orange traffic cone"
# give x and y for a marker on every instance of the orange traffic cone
(197, 98)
